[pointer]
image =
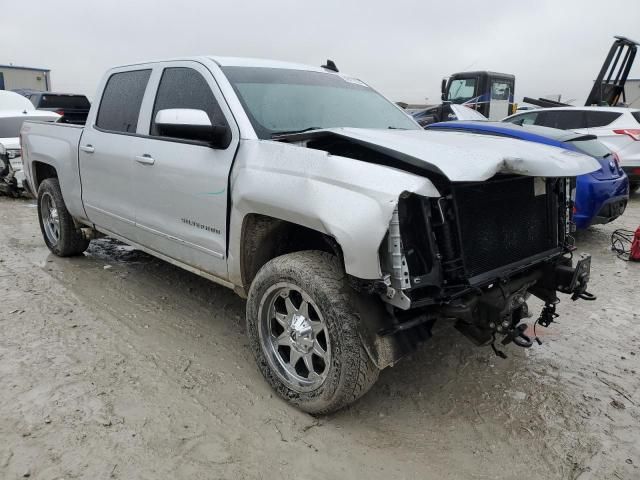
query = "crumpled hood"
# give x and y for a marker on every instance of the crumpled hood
(462, 156)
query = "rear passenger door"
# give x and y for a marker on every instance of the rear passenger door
(106, 152)
(181, 184)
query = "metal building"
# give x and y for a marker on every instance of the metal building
(13, 77)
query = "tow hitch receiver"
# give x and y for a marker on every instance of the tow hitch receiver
(574, 281)
(569, 280)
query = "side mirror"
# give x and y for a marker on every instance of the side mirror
(443, 89)
(191, 124)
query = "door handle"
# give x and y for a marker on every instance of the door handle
(87, 148)
(145, 159)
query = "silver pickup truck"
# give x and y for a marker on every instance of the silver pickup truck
(348, 228)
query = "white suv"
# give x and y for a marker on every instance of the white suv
(618, 128)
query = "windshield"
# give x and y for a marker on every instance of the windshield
(461, 90)
(280, 101)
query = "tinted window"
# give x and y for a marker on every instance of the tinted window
(636, 115)
(121, 101)
(591, 147)
(186, 88)
(524, 119)
(64, 101)
(600, 119)
(562, 119)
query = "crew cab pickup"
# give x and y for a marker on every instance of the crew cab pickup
(348, 228)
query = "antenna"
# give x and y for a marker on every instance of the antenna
(330, 65)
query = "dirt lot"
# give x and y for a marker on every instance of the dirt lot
(118, 365)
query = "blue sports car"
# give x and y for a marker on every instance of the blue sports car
(601, 196)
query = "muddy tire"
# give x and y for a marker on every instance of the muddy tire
(303, 332)
(59, 231)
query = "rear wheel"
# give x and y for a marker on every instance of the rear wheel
(59, 231)
(305, 334)
(633, 186)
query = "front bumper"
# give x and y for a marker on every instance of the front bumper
(502, 306)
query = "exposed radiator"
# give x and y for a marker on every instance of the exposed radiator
(504, 221)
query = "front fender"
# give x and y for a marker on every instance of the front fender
(348, 199)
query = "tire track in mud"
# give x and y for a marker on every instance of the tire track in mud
(143, 371)
(212, 425)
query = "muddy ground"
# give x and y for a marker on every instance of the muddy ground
(118, 365)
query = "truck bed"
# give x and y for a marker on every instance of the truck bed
(55, 144)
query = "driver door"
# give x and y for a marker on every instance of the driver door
(181, 184)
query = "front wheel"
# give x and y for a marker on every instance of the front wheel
(59, 231)
(305, 334)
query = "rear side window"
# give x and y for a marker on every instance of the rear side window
(185, 88)
(636, 115)
(600, 119)
(562, 119)
(121, 100)
(524, 119)
(591, 147)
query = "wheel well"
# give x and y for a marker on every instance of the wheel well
(42, 171)
(264, 238)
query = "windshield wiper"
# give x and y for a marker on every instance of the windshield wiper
(293, 132)
(391, 127)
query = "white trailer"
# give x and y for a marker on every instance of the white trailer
(13, 77)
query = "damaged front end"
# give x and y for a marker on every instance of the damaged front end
(476, 254)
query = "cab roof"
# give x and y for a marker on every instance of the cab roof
(264, 63)
(237, 62)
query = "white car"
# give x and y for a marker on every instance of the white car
(14, 110)
(617, 127)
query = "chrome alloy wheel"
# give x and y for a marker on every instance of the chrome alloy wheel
(294, 337)
(50, 219)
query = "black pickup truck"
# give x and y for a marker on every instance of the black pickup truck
(73, 108)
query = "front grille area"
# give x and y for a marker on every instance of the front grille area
(505, 220)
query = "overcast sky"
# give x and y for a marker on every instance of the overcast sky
(401, 47)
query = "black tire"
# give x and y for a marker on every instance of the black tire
(634, 186)
(69, 240)
(350, 373)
